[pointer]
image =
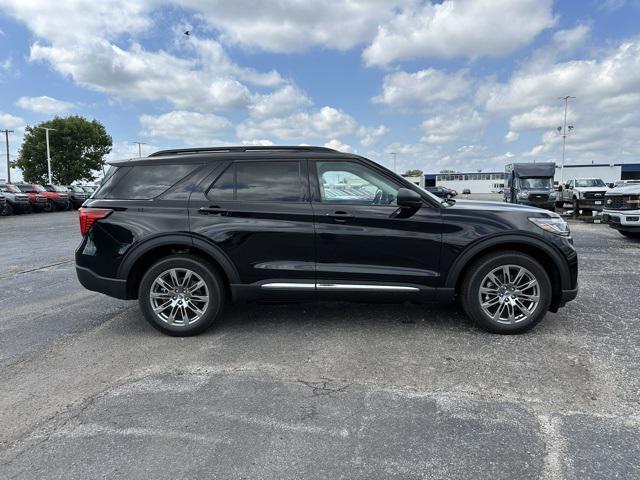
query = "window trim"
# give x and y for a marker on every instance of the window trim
(302, 174)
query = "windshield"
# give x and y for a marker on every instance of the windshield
(60, 188)
(590, 182)
(10, 188)
(536, 182)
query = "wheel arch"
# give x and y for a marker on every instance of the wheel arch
(550, 259)
(138, 261)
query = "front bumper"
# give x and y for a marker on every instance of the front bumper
(628, 220)
(590, 204)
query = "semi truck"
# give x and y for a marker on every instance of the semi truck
(530, 184)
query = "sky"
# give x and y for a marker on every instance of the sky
(456, 84)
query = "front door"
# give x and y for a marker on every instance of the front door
(258, 213)
(363, 238)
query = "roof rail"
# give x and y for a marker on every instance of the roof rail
(188, 151)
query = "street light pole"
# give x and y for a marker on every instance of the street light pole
(564, 134)
(139, 148)
(395, 156)
(46, 130)
(6, 136)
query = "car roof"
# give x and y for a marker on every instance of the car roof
(204, 155)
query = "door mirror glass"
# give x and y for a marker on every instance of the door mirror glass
(409, 199)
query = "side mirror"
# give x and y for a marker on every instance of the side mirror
(610, 185)
(559, 188)
(569, 187)
(408, 198)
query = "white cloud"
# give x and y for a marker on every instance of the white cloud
(542, 117)
(294, 26)
(280, 103)
(463, 28)
(452, 125)
(422, 87)
(44, 104)
(325, 123)
(10, 122)
(338, 145)
(511, 136)
(191, 127)
(369, 136)
(567, 40)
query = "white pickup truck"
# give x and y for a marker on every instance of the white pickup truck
(583, 194)
(622, 210)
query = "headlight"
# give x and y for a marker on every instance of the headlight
(523, 194)
(552, 195)
(555, 225)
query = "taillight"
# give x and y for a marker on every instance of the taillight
(89, 215)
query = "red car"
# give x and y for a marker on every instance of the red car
(54, 200)
(37, 201)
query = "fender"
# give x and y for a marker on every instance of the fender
(524, 239)
(186, 239)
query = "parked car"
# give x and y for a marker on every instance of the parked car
(63, 194)
(17, 201)
(88, 188)
(37, 201)
(77, 195)
(530, 184)
(583, 194)
(624, 183)
(3, 205)
(54, 201)
(622, 210)
(188, 231)
(441, 192)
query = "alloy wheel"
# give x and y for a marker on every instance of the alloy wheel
(179, 296)
(509, 294)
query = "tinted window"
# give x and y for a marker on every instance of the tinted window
(272, 181)
(144, 181)
(353, 183)
(224, 187)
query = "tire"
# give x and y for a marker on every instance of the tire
(478, 275)
(8, 210)
(49, 206)
(630, 234)
(576, 207)
(173, 321)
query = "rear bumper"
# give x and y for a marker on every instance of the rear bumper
(112, 287)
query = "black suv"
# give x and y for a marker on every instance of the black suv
(186, 231)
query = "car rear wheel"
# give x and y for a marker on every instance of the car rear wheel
(507, 293)
(181, 295)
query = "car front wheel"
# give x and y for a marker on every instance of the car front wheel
(507, 293)
(181, 295)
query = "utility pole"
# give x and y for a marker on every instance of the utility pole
(6, 136)
(46, 130)
(395, 156)
(139, 148)
(563, 129)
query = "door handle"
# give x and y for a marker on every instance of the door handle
(213, 209)
(340, 216)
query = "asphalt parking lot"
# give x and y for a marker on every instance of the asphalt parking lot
(323, 390)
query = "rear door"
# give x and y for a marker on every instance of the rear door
(363, 238)
(259, 214)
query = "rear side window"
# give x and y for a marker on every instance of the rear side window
(143, 182)
(272, 181)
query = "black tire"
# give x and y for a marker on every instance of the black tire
(49, 206)
(7, 210)
(470, 288)
(576, 207)
(215, 288)
(630, 234)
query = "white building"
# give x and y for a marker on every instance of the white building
(488, 182)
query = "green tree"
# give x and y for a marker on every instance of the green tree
(77, 145)
(413, 173)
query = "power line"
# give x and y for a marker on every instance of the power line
(6, 136)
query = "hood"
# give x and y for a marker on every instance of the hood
(500, 207)
(626, 190)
